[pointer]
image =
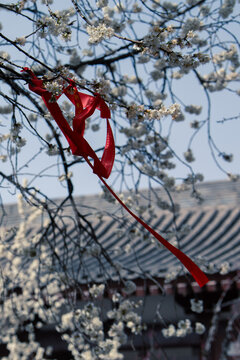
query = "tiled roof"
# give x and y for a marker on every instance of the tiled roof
(214, 234)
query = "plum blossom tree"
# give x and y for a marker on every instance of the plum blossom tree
(145, 58)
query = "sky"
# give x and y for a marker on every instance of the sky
(226, 136)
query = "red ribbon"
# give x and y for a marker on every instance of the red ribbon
(85, 105)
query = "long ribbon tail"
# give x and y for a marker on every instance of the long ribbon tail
(196, 272)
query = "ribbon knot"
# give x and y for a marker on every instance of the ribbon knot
(85, 105)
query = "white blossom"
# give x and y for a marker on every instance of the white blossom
(169, 5)
(195, 124)
(32, 117)
(102, 3)
(3, 158)
(169, 332)
(119, 91)
(199, 328)
(204, 10)
(55, 87)
(6, 109)
(129, 287)
(193, 109)
(52, 150)
(188, 155)
(172, 274)
(87, 52)
(108, 12)
(185, 325)
(4, 55)
(136, 8)
(21, 40)
(156, 75)
(225, 268)
(191, 24)
(99, 33)
(64, 177)
(227, 8)
(97, 290)
(196, 305)
(116, 298)
(233, 177)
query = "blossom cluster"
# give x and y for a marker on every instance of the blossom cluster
(99, 33)
(139, 112)
(20, 309)
(76, 326)
(220, 78)
(17, 140)
(112, 17)
(230, 54)
(58, 23)
(184, 327)
(15, 135)
(126, 314)
(227, 8)
(211, 267)
(162, 41)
